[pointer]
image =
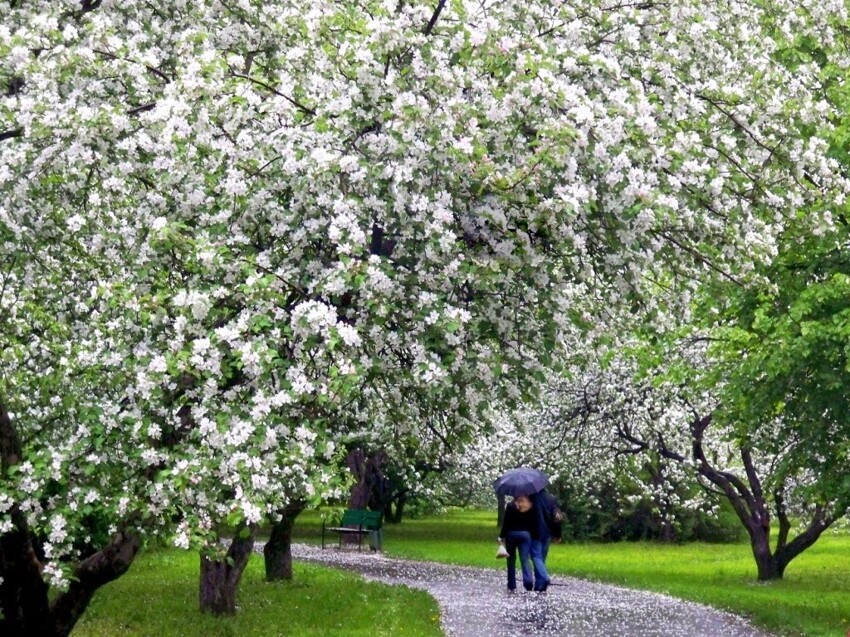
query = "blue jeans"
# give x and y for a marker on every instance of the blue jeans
(519, 541)
(539, 549)
(545, 547)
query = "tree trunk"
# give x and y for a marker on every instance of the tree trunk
(278, 550)
(769, 569)
(25, 606)
(369, 489)
(23, 593)
(106, 565)
(667, 531)
(400, 500)
(219, 579)
(750, 505)
(361, 490)
(500, 509)
(394, 506)
(766, 563)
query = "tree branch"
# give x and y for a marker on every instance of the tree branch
(760, 509)
(699, 257)
(106, 565)
(271, 89)
(784, 522)
(11, 133)
(141, 109)
(820, 523)
(85, 7)
(436, 16)
(10, 442)
(148, 67)
(733, 488)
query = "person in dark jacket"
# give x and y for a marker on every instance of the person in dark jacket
(520, 531)
(549, 521)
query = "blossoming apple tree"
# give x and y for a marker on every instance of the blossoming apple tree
(725, 412)
(575, 432)
(235, 233)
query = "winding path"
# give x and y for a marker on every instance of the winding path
(475, 603)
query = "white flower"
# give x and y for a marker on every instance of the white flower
(477, 37)
(75, 222)
(55, 576)
(348, 334)
(253, 514)
(58, 532)
(158, 365)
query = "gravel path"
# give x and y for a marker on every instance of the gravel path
(475, 603)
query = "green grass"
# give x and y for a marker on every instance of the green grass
(813, 599)
(159, 598)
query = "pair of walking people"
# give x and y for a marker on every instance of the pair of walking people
(528, 527)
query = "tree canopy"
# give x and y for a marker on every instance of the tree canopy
(234, 234)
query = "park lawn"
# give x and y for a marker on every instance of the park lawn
(158, 597)
(813, 599)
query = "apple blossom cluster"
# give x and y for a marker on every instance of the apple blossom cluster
(234, 236)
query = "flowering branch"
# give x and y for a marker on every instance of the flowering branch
(271, 89)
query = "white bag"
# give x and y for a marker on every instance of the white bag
(501, 551)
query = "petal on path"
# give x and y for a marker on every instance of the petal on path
(475, 603)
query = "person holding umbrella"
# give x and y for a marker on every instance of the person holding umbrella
(521, 527)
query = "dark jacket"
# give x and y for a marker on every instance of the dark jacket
(516, 521)
(545, 504)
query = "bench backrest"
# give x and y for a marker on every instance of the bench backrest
(372, 520)
(357, 517)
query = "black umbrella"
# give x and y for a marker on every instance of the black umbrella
(522, 481)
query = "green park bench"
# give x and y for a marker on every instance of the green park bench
(357, 522)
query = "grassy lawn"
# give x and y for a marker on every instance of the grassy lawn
(813, 599)
(159, 598)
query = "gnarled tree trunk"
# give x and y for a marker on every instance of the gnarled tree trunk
(23, 592)
(24, 596)
(751, 506)
(219, 579)
(106, 565)
(365, 468)
(394, 509)
(278, 550)
(368, 471)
